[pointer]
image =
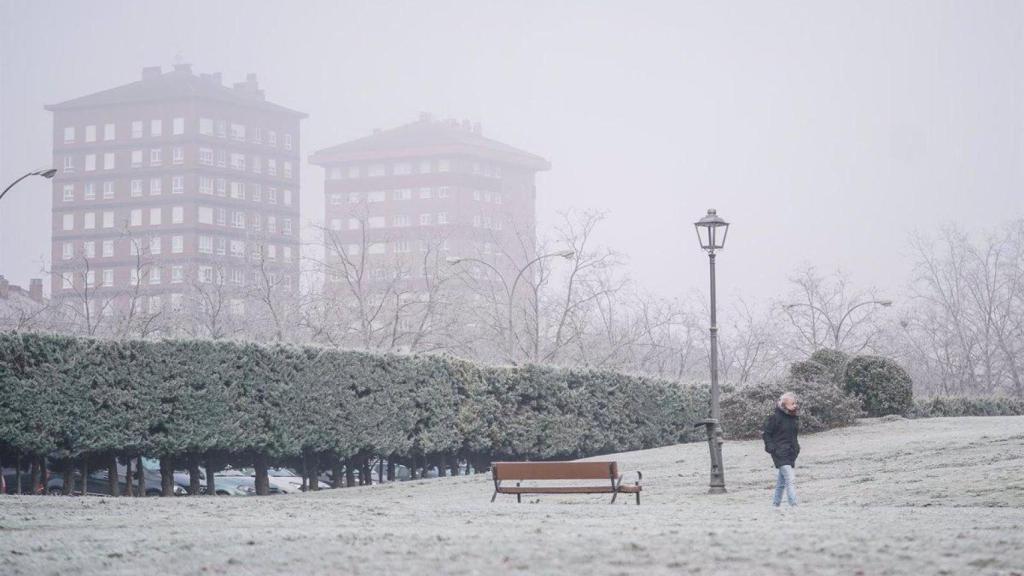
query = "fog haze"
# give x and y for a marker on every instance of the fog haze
(825, 132)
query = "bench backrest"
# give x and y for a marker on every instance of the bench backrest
(554, 470)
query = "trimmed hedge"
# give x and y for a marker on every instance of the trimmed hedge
(823, 406)
(196, 398)
(882, 385)
(940, 406)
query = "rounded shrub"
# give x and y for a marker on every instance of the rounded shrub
(882, 385)
(823, 405)
(834, 362)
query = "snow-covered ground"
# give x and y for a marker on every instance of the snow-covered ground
(938, 496)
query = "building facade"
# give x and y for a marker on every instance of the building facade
(172, 182)
(429, 188)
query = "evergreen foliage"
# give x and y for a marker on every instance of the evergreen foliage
(183, 399)
(882, 385)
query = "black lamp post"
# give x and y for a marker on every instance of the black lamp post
(711, 232)
(45, 173)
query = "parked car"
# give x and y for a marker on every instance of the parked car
(10, 481)
(288, 480)
(237, 483)
(97, 483)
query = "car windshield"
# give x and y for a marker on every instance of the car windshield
(281, 472)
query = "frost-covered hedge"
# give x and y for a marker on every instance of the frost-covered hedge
(181, 400)
(941, 406)
(882, 385)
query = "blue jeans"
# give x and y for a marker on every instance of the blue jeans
(785, 483)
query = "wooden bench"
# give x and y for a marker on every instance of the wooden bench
(520, 471)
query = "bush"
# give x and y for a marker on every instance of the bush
(823, 406)
(834, 362)
(940, 407)
(882, 385)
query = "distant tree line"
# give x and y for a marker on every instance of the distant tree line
(206, 403)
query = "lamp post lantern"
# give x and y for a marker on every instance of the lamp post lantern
(711, 232)
(47, 173)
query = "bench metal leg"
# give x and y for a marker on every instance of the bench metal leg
(519, 497)
(637, 498)
(495, 496)
(614, 496)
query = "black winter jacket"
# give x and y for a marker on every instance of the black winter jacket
(780, 437)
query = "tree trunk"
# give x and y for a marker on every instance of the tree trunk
(313, 471)
(128, 477)
(211, 479)
(34, 474)
(113, 487)
(305, 471)
(69, 477)
(365, 471)
(166, 476)
(391, 469)
(380, 470)
(141, 490)
(262, 480)
(442, 465)
(350, 474)
(455, 466)
(194, 483)
(85, 475)
(337, 480)
(17, 474)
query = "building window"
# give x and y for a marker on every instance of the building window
(177, 185)
(69, 192)
(335, 224)
(443, 192)
(108, 219)
(424, 219)
(257, 224)
(272, 195)
(353, 171)
(68, 250)
(90, 278)
(177, 275)
(476, 221)
(426, 167)
(286, 253)
(205, 245)
(90, 162)
(178, 126)
(376, 170)
(287, 141)
(67, 281)
(69, 165)
(108, 132)
(155, 246)
(238, 161)
(177, 244)
(136, 188)
(222, 159)
(137, 129)
(178, 155)
(444, 166)
(287, 169)
(376, 196)
(286, 226)
(155, 186)
(108, 190)
(206, 126)
(425, 193)
(136, 217)
(69, 221)
(90, 133)
(401, 220)
(375, 222)
(353, 224)
(155, 216)
(108, 160)
(206, 156)
(402, 247)
(238, 248)
(442, 217)
(377, 248)
(155, 157)
(237, 191)
(287, 197)
(154, 278)
(402, 194)
(156, 128)
(222, 187)
(90, 191)
(272, 224)
(257, 135)
(89, 222)
(257, 193)
(257, 165)
(108, 248)
(136, 158)
(238, 132)
(221, 246)
(69, 134)
(271, 167)
(177, 214)
(334, 173)
(402, 168)
(222, 129)
(205, 215)
(206, 185)
(238, 219)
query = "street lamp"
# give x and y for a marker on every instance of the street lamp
(45, 173)
(510, 291)
(711, 233)
(837, 327)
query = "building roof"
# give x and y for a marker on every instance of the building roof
(178, 83)
(428, 137)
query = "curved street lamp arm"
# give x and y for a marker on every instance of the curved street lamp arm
(4, 193)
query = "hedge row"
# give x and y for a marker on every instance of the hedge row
(183, 400)
(941, 406)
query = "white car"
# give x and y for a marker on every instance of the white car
(287, 480)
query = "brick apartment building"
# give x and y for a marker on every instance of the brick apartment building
(172, 180)
(430, 185)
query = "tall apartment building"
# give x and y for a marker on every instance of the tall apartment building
(426, 186)
(171, 181)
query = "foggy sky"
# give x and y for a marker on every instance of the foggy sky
(824, 131)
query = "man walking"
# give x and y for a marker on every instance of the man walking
(780, 440)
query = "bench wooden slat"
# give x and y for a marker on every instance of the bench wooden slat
(554, 470)
(556, 490)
